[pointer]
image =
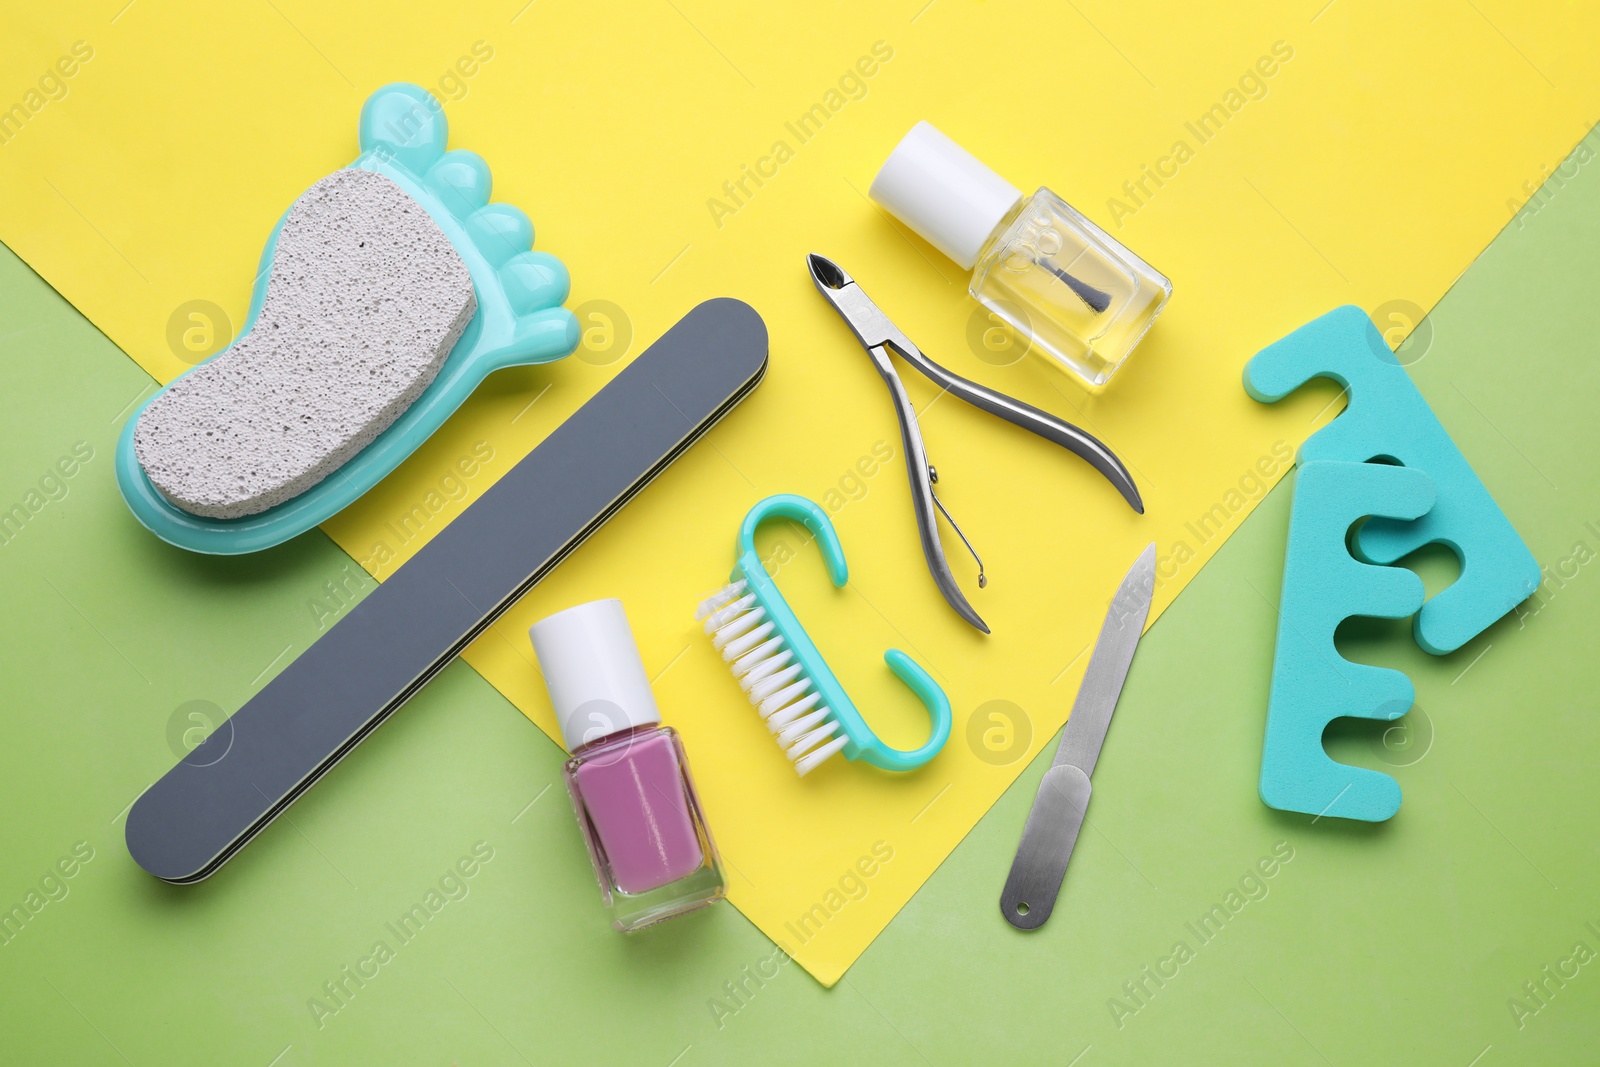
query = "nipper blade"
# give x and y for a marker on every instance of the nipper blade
(870, 325)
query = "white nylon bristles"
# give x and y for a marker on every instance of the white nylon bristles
(761, 660)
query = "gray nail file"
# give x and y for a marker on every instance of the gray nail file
(1051, 832)
(356, 675)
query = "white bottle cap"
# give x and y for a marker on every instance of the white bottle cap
(942, 191)
(592, 668)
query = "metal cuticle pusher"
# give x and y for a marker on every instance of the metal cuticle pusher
(879, 336)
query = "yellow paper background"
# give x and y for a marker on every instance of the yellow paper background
(1379, 162)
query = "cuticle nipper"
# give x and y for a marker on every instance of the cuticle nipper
(879, 336)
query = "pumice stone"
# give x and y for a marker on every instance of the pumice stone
(366, 298)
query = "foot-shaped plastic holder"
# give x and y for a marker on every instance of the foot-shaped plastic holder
(1388, 419)
(519, 320)
(1311, 683)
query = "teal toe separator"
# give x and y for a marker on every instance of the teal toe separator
(519, 321)
(1312, 684)
(1387, 417)
(861, 742)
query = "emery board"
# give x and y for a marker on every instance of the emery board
(356, 675)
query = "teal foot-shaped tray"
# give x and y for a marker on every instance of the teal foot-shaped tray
(519, 321)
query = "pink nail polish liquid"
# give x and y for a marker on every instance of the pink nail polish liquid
(628, 775)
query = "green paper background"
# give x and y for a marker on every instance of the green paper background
(1399, 943)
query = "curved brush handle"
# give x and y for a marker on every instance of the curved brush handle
(861, 742)
(920, 682)
(803, 511)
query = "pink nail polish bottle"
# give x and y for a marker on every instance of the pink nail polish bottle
(628, 775)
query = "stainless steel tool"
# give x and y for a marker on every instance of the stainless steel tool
(880, 336)
(1058, 808)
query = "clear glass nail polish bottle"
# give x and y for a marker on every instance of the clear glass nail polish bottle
(1076, 292)
(628, 776)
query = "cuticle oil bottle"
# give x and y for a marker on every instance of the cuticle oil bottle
(1068, 286)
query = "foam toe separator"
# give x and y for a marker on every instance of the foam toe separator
(1312, 684)
(1387, 418)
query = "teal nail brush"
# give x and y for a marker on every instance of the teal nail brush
(781, 670)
